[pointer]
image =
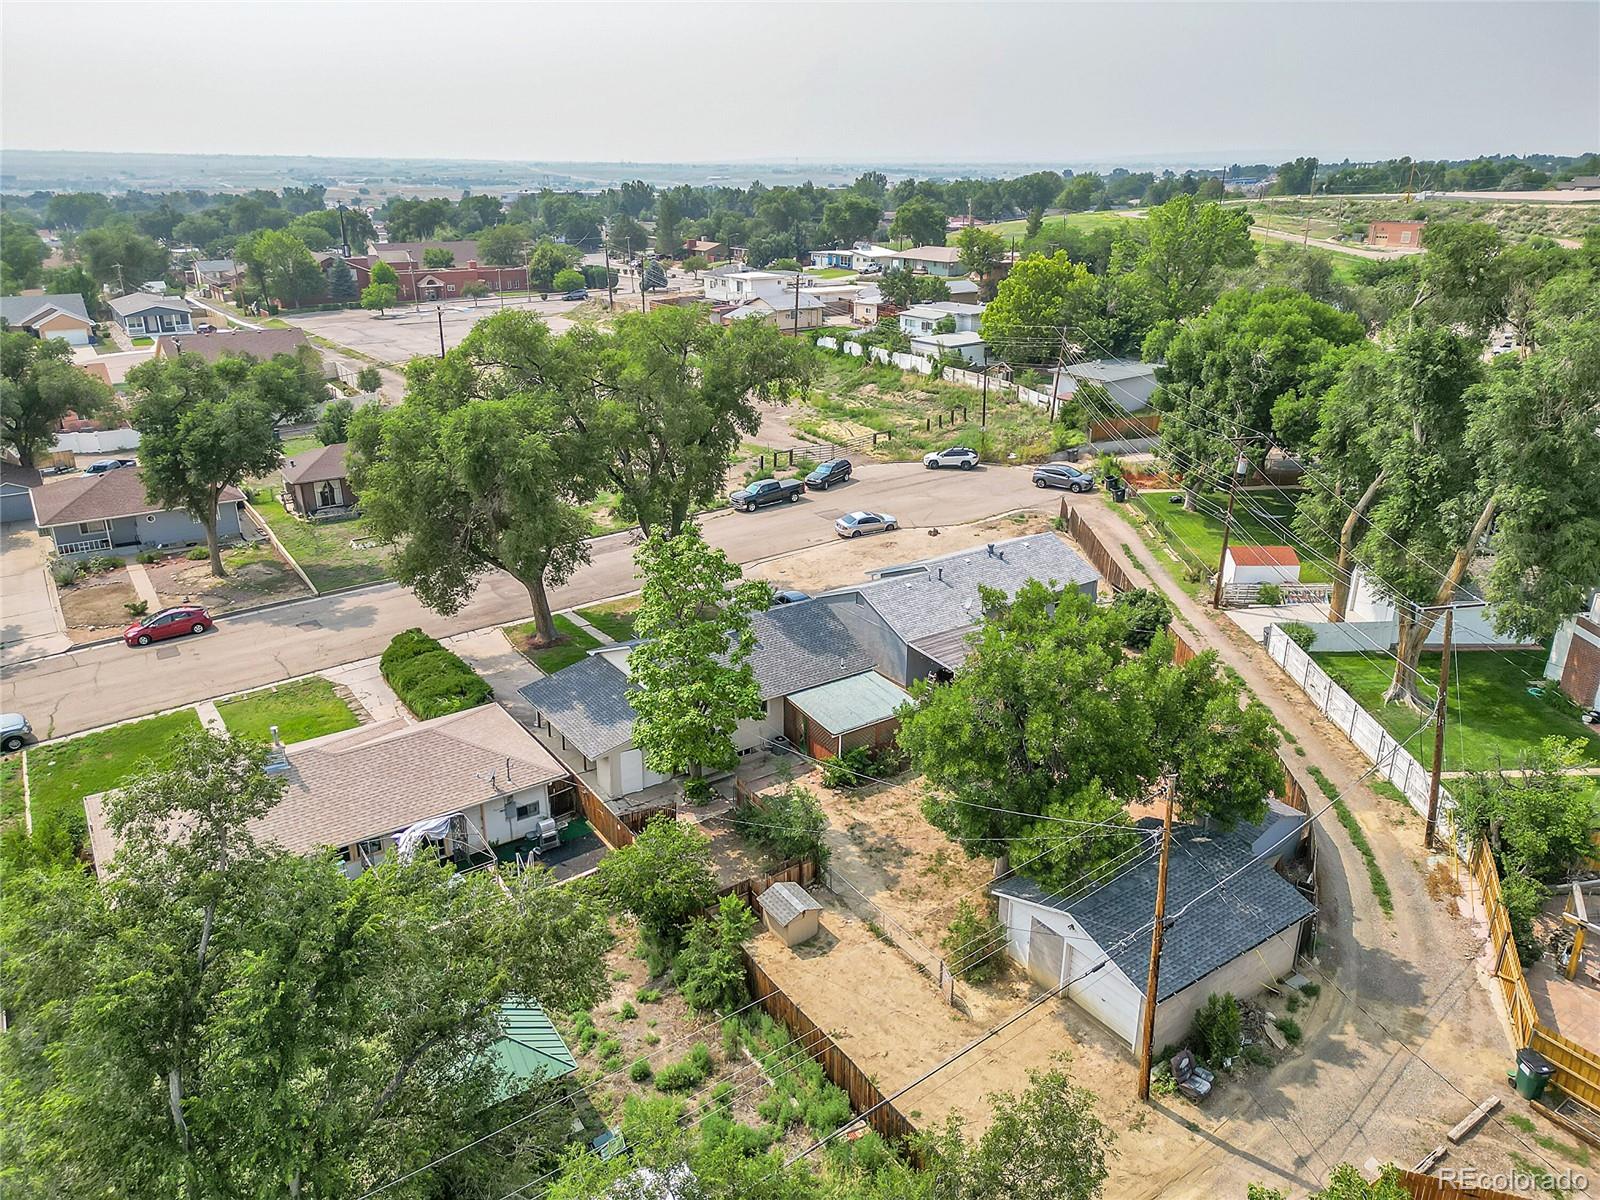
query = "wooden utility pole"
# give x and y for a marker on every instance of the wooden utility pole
(1439, 709)
(1147, 1031)
(611, 292)
(1239, 468)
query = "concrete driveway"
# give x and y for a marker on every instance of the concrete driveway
(30, 616)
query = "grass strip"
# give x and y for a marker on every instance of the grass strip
(1375, 876)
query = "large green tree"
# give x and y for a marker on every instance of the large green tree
(691, 675)
(220, 1018)
(663, 878)
(473, 472)
(40, 385)
(121, 256)
(919, 221)
(849, 217)
(1043, 300)
(285, 269)
(504, 245)
(1187, 243)
(982, 252)
(22, 255)
(1051, 721)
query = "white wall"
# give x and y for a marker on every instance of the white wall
(104, 441)
(752, 735)
(1108, 995)
(1243, 977)
(498, 828)
(1232, 572)
(626, 773)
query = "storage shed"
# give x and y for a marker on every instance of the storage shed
(789, 912)
(1260, 564)
(859, 710)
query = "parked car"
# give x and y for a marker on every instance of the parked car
(855, 524)
(835, 470)
(168, 623)
(1060, 475)
(964, 457)
(15, 732)
(576, 294)
(766, 491)
(205, 327)
(789, 596)
(109, 464)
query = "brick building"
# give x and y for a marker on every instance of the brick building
(1575, 657)
(1396, 235)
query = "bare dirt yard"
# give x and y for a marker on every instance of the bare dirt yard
(818, 568)
(256, 575)
(96, 605)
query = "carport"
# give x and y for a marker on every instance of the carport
(858, 710)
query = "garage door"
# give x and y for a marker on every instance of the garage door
(16, 506)
(1046, 952)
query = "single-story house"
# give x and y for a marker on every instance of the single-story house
(1575, 656)
(317, 480)
(112, 510)
(17, 485)
(963, 291)
(1234, 941)
(1579, 183)
(790, 310)
(863, 256)
(260, 344)
(944, 261)
(925, 318)
(1128, 383)
(969, 346)
(914, 619)
(869, 306)
(57, 315)
(738, 286)
(466, 783)
(790, 913)
(706, 249)
(143, 315)
(1405, 235)
(1260, 564)
(214, 278)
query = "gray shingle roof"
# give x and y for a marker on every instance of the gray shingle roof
(801, 646)
(1232, 921)
(783, 902)
(588, 704)
(17, 309)
(138, 302)
(262, 344)
(102, 498)
(936, 595)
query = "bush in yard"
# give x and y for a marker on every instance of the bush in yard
(688, 1072)
(1148, 614)
(710, 967)
(663, 878)
(974, 945)
(1538, 821)
(1219, 1029)
(568, 280)
(368, 379)
(65, 573)
(785, 826)
(1523, 896)
(101, 563)
(137, 608)
(1300, 634)
(852, 769)
(640, 1071)
(198, 554)
(430, 680)
(1270, 594)
(149, 556)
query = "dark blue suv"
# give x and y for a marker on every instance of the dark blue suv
(835, 470)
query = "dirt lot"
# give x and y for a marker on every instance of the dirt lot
(95, 605)
(406, 332)
(256, 575)
(818, 568)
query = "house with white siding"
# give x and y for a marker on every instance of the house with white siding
(143, 315)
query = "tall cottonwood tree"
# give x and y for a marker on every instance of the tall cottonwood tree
(39, 385)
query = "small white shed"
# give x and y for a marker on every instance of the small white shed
(1260, 564)
(790, 912)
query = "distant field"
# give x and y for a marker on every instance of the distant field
(1019, 228)
(1516, 221)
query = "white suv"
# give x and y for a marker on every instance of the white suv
(957, 456)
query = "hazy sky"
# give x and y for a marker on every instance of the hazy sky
(836, 82)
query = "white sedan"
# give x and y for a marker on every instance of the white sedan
(855, 524)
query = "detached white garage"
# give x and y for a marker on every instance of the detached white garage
(1237, 942)
(17, 485)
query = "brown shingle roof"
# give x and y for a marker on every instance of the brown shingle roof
(103, 497)
(378, 779)
(325, 462)
(258, 343)
(27, 477)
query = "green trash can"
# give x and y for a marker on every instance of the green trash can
(1533, 1074)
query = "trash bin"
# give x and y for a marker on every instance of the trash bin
(1118, 489)
(1533, 1074)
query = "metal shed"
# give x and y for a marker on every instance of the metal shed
(789, 912)
(859, 710)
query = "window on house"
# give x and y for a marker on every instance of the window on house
(167, 323)
(135, 324)
(525, 811)
(93, 526)
(452, 288)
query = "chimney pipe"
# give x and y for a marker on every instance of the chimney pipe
(277, 742)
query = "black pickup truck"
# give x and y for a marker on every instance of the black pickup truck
(766, 491)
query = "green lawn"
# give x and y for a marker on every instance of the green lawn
(10, 789)
(323, 549)
(1260, 518)
(1019, 228)
(572, 644)
(299, 445)
(615, 620)
(61, 774)
(306, 708)
(1492, 719)
(829, 272)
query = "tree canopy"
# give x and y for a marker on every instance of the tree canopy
(39, 386)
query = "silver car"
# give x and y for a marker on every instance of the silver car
(15, 732)
(855, 524)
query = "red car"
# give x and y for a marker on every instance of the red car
(169, 622)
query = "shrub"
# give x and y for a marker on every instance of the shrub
(198, 554)
(65, 573)
(607, 1046)
(137, 608)
(974, 943)
(826, 1112)
(101, 563)
(1269, 593)
(1148, 614)
(640, 1071)
(1290, 1028)
(858, 767)
(663, 878)
(697, 789)
(710, 967)
(368, 379)
(1219, 1029)
(1543, 816)
(627, 1012)
(584, 1031)
(149, 556)
(568, 280)
(1300, 634)
(430, 680)
(648, 995)
(785, 826)
(688, 1072)
(1524, 896)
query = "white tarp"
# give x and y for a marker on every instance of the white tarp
(432, 829)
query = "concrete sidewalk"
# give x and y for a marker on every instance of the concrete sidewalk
(31, 625)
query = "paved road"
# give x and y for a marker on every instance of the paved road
(99, 685)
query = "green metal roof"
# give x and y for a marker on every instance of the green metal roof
(530, 1051)
(852, 702)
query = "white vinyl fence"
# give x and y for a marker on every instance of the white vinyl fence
(104, 441)
(1395, 763)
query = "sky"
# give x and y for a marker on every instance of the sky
(849, 82)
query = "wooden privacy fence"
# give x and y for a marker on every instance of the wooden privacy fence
(865, 1099)
(797, 870)
(1078, 530)
(1577, 1068)
(1429, 1187)
(1111, 428)
(613, 830)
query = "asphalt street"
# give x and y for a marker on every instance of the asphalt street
(99, 685)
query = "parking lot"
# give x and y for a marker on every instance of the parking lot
(411, 330)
